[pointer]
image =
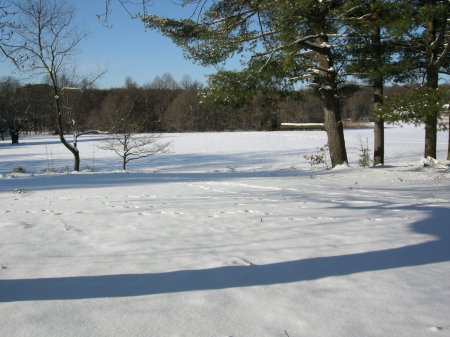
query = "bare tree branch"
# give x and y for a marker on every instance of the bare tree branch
(127, 6)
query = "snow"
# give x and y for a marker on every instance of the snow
(302, 124)
(429, 161)
(232, 234)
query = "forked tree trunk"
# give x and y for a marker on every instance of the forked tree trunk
(332, 109)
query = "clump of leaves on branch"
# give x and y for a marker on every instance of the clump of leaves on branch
(237, 88)
(414, 106)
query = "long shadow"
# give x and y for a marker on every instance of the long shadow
(86, 287)
(25, 141)
(94, 180)
(178, 162)
(192, 162)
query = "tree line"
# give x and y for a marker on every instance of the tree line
(164, 105)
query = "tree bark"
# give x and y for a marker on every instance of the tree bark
(14, 131)
(14, 136)
(378, 84)
(378, 152)
(73, 150)
(334, 128)
(332, 108)
(432, 82)
(448, 148)
(378, 146)
(430, 135)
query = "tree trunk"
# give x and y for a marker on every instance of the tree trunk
(448, 148)
(126, 138)
(332, 108)
(378, 84)
(14, 132)
(334, 128)
(73, 150)
(432, 82)
(14, 136)
(378, 145)
(430, 136)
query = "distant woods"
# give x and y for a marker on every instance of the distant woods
(165, 105)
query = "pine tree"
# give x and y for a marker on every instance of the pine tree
(402, 41)
(374, 27)
(428, 47)
(302, 40)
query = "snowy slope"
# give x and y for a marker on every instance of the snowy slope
(233, 234)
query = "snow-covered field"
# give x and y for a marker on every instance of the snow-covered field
(232, 234)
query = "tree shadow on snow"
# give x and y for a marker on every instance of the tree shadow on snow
(26, 141)
(168, 167)
(110, 286)
(95, 180)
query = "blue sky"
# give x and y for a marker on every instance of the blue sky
(127, 49)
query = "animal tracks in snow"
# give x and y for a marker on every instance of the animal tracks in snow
(206, 204)
(305, 218)
(242, 261)
(160, 212)
(436, 329)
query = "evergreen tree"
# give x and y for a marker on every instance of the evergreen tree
(374, 27)
(302, 40)
(417, 106)
(427, 47)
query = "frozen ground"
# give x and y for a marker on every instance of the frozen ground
(233, 234)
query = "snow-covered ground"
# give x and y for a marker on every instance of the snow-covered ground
(232, 234)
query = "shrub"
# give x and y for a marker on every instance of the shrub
(18, 170)
(364, 156)
(320, 158)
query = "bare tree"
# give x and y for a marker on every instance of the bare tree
(130, 146)
(130, 83)
(7, 24)
(166, 81)
(12, 113)
(124, 138)
(45, 39)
